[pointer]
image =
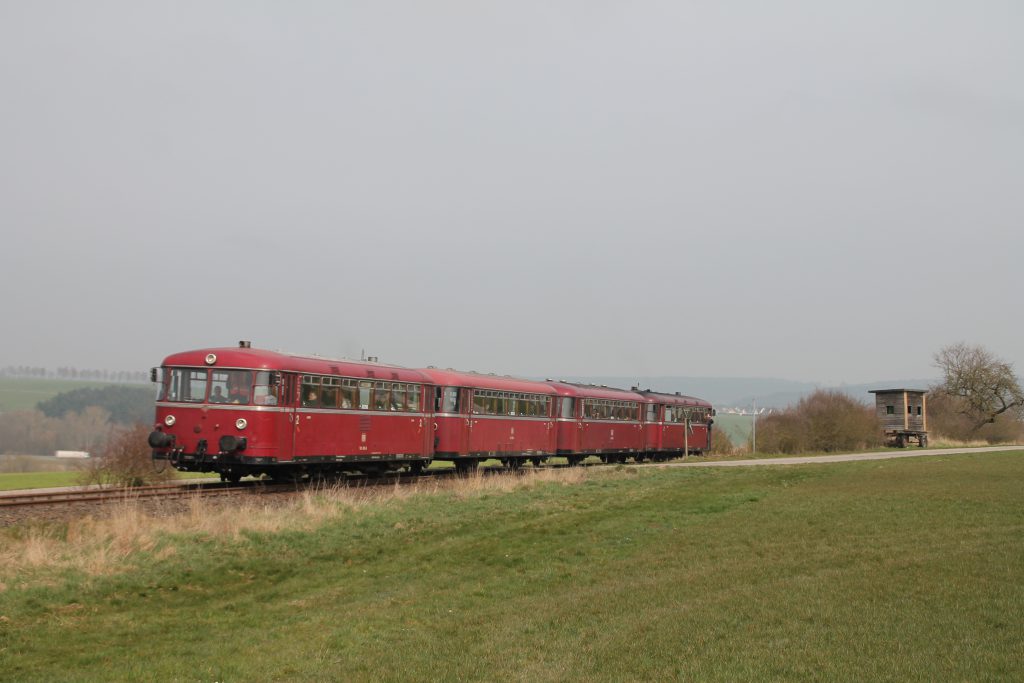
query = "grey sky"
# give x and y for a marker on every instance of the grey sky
(588, 188)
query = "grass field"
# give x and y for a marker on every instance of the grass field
(887, 570)
(736, 426)
(18, 393)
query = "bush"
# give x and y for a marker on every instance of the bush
(825, 421)
(127, 460)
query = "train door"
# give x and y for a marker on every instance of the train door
(288, 400)
(465, 408)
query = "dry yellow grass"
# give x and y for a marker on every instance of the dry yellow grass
(940, 441)
(106, 545)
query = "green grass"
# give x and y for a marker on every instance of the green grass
(19, 393)
(736, 426)
(886, 570)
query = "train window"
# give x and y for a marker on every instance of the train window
(330, 388)
(310, 391)
(566, 408)
(162, 377)
(381, 396)
(479, 403)
(529, 407)
(187, 385)
(349, 394)
(263, 392)
(414, 397)
(450, 403)
(364, 394)
(218, 387)
(230, 386)
(652, 412)
(398, 394)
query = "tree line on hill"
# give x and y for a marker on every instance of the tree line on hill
(73, 373)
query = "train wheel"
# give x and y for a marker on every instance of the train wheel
(536, 461)
(418, 467)
(574, 460)
(231, 477)
(514, 463)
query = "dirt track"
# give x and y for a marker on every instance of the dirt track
(844, 457)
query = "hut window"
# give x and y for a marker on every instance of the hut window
(919, 410)
(890, 410)
(910, 410)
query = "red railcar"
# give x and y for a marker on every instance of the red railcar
(601, 421)
(477, 417)
(676, 424)
(240, 411)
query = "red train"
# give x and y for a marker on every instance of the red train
(240, 411)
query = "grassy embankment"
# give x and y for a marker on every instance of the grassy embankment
(898, 570)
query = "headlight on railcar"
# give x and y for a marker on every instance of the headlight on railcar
(169, 420)
(240, 423)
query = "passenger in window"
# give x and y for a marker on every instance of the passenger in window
(311, 397)
(239, 393)
(345, 402)
(218, 396)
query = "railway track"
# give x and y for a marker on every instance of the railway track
(119, 494)
(111, 494)
(68, 496)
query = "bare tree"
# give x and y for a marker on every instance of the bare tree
(984, 386)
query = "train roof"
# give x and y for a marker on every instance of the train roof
(261, 359)
(676, 399)
(457, 378)
(594, 391)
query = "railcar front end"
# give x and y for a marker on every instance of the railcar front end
(226, 420)
(238, 412)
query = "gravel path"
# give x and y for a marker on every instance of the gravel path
(844, 457)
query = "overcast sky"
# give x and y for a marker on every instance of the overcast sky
(810, 190)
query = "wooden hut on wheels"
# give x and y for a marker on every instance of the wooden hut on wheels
(904, 416)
